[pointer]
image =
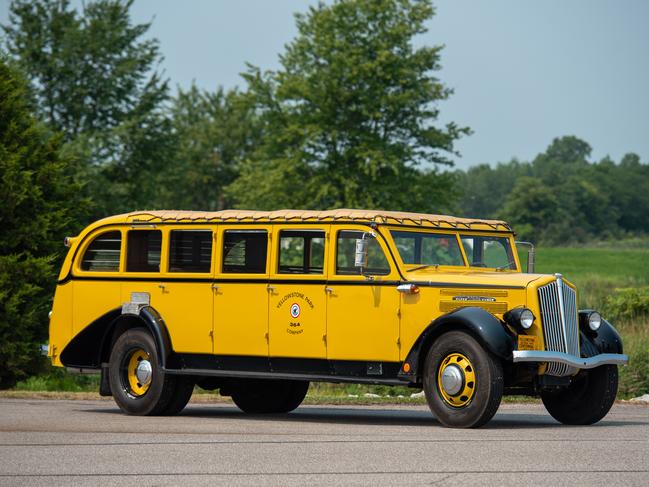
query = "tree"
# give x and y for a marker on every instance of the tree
(214, 132)
(349, 118)
(38, 204)
(532, 208)
(484, 188)
(93, 78)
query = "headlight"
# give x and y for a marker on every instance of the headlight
(594, 321)
(520, 317)
(526, 318)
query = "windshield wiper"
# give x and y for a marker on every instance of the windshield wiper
(508, 266)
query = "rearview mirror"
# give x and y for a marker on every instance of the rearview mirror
(360, 256)
(531, 255)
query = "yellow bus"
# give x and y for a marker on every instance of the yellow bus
(259, 304)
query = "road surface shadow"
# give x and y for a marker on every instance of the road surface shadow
(376, 417)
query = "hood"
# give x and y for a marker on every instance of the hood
(478, 278)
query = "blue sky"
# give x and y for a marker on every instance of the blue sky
(523, 71)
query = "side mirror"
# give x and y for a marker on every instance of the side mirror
(360, 256)
(531, 255)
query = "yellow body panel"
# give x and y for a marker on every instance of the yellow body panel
(241, 319)
(298, 324)
(241, 304)
(363, 323)
(189, 325)
(362, 313)
(60, 322)
(91, 300)
(297, 312)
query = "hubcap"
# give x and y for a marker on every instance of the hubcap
(139, 372)
(143, 372)
(452, 379)
(456, 380)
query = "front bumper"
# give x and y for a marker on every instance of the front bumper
(565, 358)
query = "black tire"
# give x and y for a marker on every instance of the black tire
(483, 379)
(163, 395)
(269, 396)
(588, 399)
(180, 396)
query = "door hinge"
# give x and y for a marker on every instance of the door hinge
(266, 336)
(324, 338)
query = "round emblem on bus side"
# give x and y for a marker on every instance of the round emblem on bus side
(295, 310)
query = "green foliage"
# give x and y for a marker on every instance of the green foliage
(561, 197)
(214, 131)
(634, 378)
(484, 189)
(628, 303)
(530, 206)
(349, 118)
(58, 379)
(38, 204)
(92, 78)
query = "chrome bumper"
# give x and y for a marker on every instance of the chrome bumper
(564, 358)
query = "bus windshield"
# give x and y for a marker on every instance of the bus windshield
(428, 249)
(491, 252)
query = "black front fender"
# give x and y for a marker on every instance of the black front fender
(605, 340)
(485, 327)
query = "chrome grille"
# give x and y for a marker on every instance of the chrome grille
(560, 325)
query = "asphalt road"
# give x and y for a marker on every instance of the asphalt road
(57, 442)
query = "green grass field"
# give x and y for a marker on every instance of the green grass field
(625, 266)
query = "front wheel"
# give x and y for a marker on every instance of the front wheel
(586, 400)
(138, 384)
(463, 382)
(269, 396)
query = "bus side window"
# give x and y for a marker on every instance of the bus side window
(103, 253)
(190, 251)
(244, 252)
(143, 251)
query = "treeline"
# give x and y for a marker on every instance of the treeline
(89, 127)
(561, 197)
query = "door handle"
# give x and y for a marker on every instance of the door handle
(214, 286)
(162, 287)
(270, 288)
(329, 290)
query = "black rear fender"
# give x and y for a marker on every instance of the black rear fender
(92, 346)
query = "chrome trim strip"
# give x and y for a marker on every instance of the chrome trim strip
(565, 358)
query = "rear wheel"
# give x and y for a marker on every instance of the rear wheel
(588, 399)
(138, 384)
(463, 382)
(269, 396)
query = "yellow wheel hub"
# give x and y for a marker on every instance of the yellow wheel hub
(456, 380)
(139, 372)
